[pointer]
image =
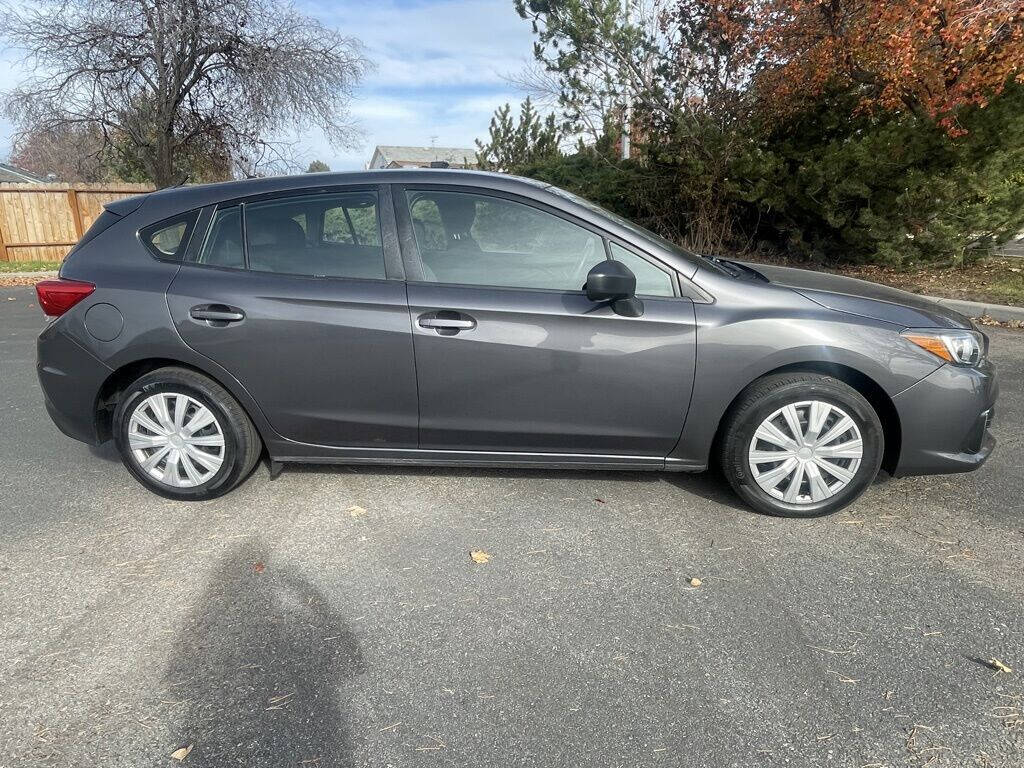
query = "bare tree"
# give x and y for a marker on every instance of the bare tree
(169, 83)
(586, 115)
(75, 153)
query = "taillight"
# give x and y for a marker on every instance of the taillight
(58, 296)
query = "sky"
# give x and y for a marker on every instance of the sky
(440, 68)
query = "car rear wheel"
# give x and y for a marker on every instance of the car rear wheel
(801, 445)
(184, 436)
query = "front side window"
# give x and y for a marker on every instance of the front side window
(335, 235)
(474, 239)
(650, 280)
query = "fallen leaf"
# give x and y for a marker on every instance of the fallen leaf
(11, 298)
(695, 582)
(181, 754)
(599, 501)
(355, 510)
(844, 678)
(259, 567)
(998, 666)
(479, 556)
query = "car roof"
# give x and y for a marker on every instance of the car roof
(174, 199)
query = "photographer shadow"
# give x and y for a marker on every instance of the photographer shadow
(257, 668)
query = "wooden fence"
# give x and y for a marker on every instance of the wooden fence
(41, 222)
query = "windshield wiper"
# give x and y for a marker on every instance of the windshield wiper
(726, 266)
(737, 270)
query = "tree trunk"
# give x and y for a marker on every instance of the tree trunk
(162, 168)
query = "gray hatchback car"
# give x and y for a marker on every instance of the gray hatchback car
(460, 318)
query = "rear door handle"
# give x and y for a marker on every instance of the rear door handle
(436, 322)
(217, 313)
(447, 323)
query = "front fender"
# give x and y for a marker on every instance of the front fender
(738, 346)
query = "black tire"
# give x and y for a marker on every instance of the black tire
(762, 398)
(242, 444)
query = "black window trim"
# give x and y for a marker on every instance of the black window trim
(670, 273)
(143, 235)
(393, 265)
(202, 231)
(414, 262)
(208, 215)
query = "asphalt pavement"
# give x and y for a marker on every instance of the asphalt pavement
(334, 616)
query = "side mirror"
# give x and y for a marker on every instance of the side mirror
(610, 281)
(613, 282)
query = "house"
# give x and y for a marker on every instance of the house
(11, 175)
(422, 157)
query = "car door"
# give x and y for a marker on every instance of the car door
(511, 356)
(300, 298)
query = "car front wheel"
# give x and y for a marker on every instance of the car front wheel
(184, 436)
(801, 445)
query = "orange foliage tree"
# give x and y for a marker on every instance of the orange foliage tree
(931, 57)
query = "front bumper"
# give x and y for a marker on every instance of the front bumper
(71, 379)
(944, 421)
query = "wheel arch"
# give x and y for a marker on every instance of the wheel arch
(115, 384)
(865, 385)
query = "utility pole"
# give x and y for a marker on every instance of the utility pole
(627, 117)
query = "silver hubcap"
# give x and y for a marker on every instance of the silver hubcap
(176, 440)
(805, 452)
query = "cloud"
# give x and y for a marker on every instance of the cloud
(440, 69)
(486, 104)
(414, 121)
(11, 73)
(383, 108)
(441, 42)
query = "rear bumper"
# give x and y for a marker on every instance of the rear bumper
(71, 379)
(944, 421)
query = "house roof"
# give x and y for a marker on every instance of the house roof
(11, 175)
(426, 155)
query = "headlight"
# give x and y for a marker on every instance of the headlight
(957, 347)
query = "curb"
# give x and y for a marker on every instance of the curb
(1000, 312)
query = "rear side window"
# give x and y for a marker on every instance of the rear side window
(223, 245)
(353, 221)
(335, 235)
(168, 239)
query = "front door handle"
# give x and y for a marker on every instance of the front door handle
(436, 322)
(217, 314)
(447, 323)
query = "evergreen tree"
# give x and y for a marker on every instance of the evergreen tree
(895, 188)
(513, 145)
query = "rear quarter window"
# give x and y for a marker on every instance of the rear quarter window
(168, 239)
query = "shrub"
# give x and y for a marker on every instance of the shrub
(895, 189)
